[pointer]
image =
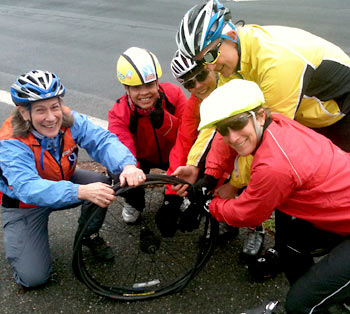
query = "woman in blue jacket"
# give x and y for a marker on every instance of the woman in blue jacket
(38, 155)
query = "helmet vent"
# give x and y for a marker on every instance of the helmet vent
(33, 91)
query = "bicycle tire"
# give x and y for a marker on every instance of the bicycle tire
(166, 266)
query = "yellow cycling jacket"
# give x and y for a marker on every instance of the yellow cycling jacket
(301, 75)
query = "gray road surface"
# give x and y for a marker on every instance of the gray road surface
(80, 40)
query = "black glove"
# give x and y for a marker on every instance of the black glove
(168, 214)
(157, 116)
(196, 190)
(191, 217)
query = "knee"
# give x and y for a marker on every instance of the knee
(290, 306)
(297, 301)
(32, 277)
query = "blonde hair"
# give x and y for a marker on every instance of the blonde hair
(22, 128)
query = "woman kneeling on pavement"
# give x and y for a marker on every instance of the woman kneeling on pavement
(298, 173)
(38, 175)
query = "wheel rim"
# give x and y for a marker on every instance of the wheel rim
(146, 265)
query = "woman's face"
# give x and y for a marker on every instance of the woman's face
(226, 51)
(244, 140)
(145, 95)
(227, 61)
(46, 116)
(202, 89)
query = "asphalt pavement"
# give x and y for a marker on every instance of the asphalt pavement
(71, 38)
(223, 285)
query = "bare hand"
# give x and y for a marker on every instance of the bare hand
(131, 175)
(181, 189)
(226, 191)
(98, 193)
(188, 173)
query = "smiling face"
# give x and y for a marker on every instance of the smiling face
(243, 140)
(46, 116)
(202, 89)
(145, 95)
(227, 57)
(227, 61)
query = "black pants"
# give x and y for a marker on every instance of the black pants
(338, 133)
(314, 286)
(82, 176)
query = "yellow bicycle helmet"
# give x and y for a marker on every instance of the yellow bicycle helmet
(137, 66)
(235, 97)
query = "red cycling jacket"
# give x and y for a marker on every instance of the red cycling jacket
(148, 143)
(187, 134)
(298, 171)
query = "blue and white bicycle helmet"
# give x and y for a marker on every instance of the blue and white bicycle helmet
(201, 25)
(36, 85)
(181, 66)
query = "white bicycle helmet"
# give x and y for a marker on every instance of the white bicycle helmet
(181, 65)
(36, 85)
(201, 25)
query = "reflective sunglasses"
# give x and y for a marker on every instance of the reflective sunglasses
(200, 77)
(212, 55)
(235, 123)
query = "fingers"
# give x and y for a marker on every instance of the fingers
(104, 195)
(122, 180)
(132, 179)
(182, 189)
(132, 176)
(176, 187)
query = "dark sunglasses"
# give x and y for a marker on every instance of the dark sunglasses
(236, 124)
(200, 77)
(212, 55)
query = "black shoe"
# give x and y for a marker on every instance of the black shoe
(253, 244)
(226, 233)
(265, 267)
(266, 308)
(99, 247)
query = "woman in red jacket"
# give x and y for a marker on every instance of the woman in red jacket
(298, 173)
(200, 83)
(146, 118)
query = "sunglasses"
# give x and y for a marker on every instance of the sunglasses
(235, 123)
(212, 55)
(200, 77)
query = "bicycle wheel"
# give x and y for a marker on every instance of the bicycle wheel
(146, 265)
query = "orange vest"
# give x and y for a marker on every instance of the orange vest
(52, 170)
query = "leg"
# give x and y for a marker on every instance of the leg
(134, 198)
(324, 284)
(27, 245)
(294, 262)
(297, 241)
(82, 176)
(99, 247)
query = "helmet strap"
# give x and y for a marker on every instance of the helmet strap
(257, 126)
(226, 29)
(30, 116)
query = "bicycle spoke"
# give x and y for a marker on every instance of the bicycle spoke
(146, 265)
